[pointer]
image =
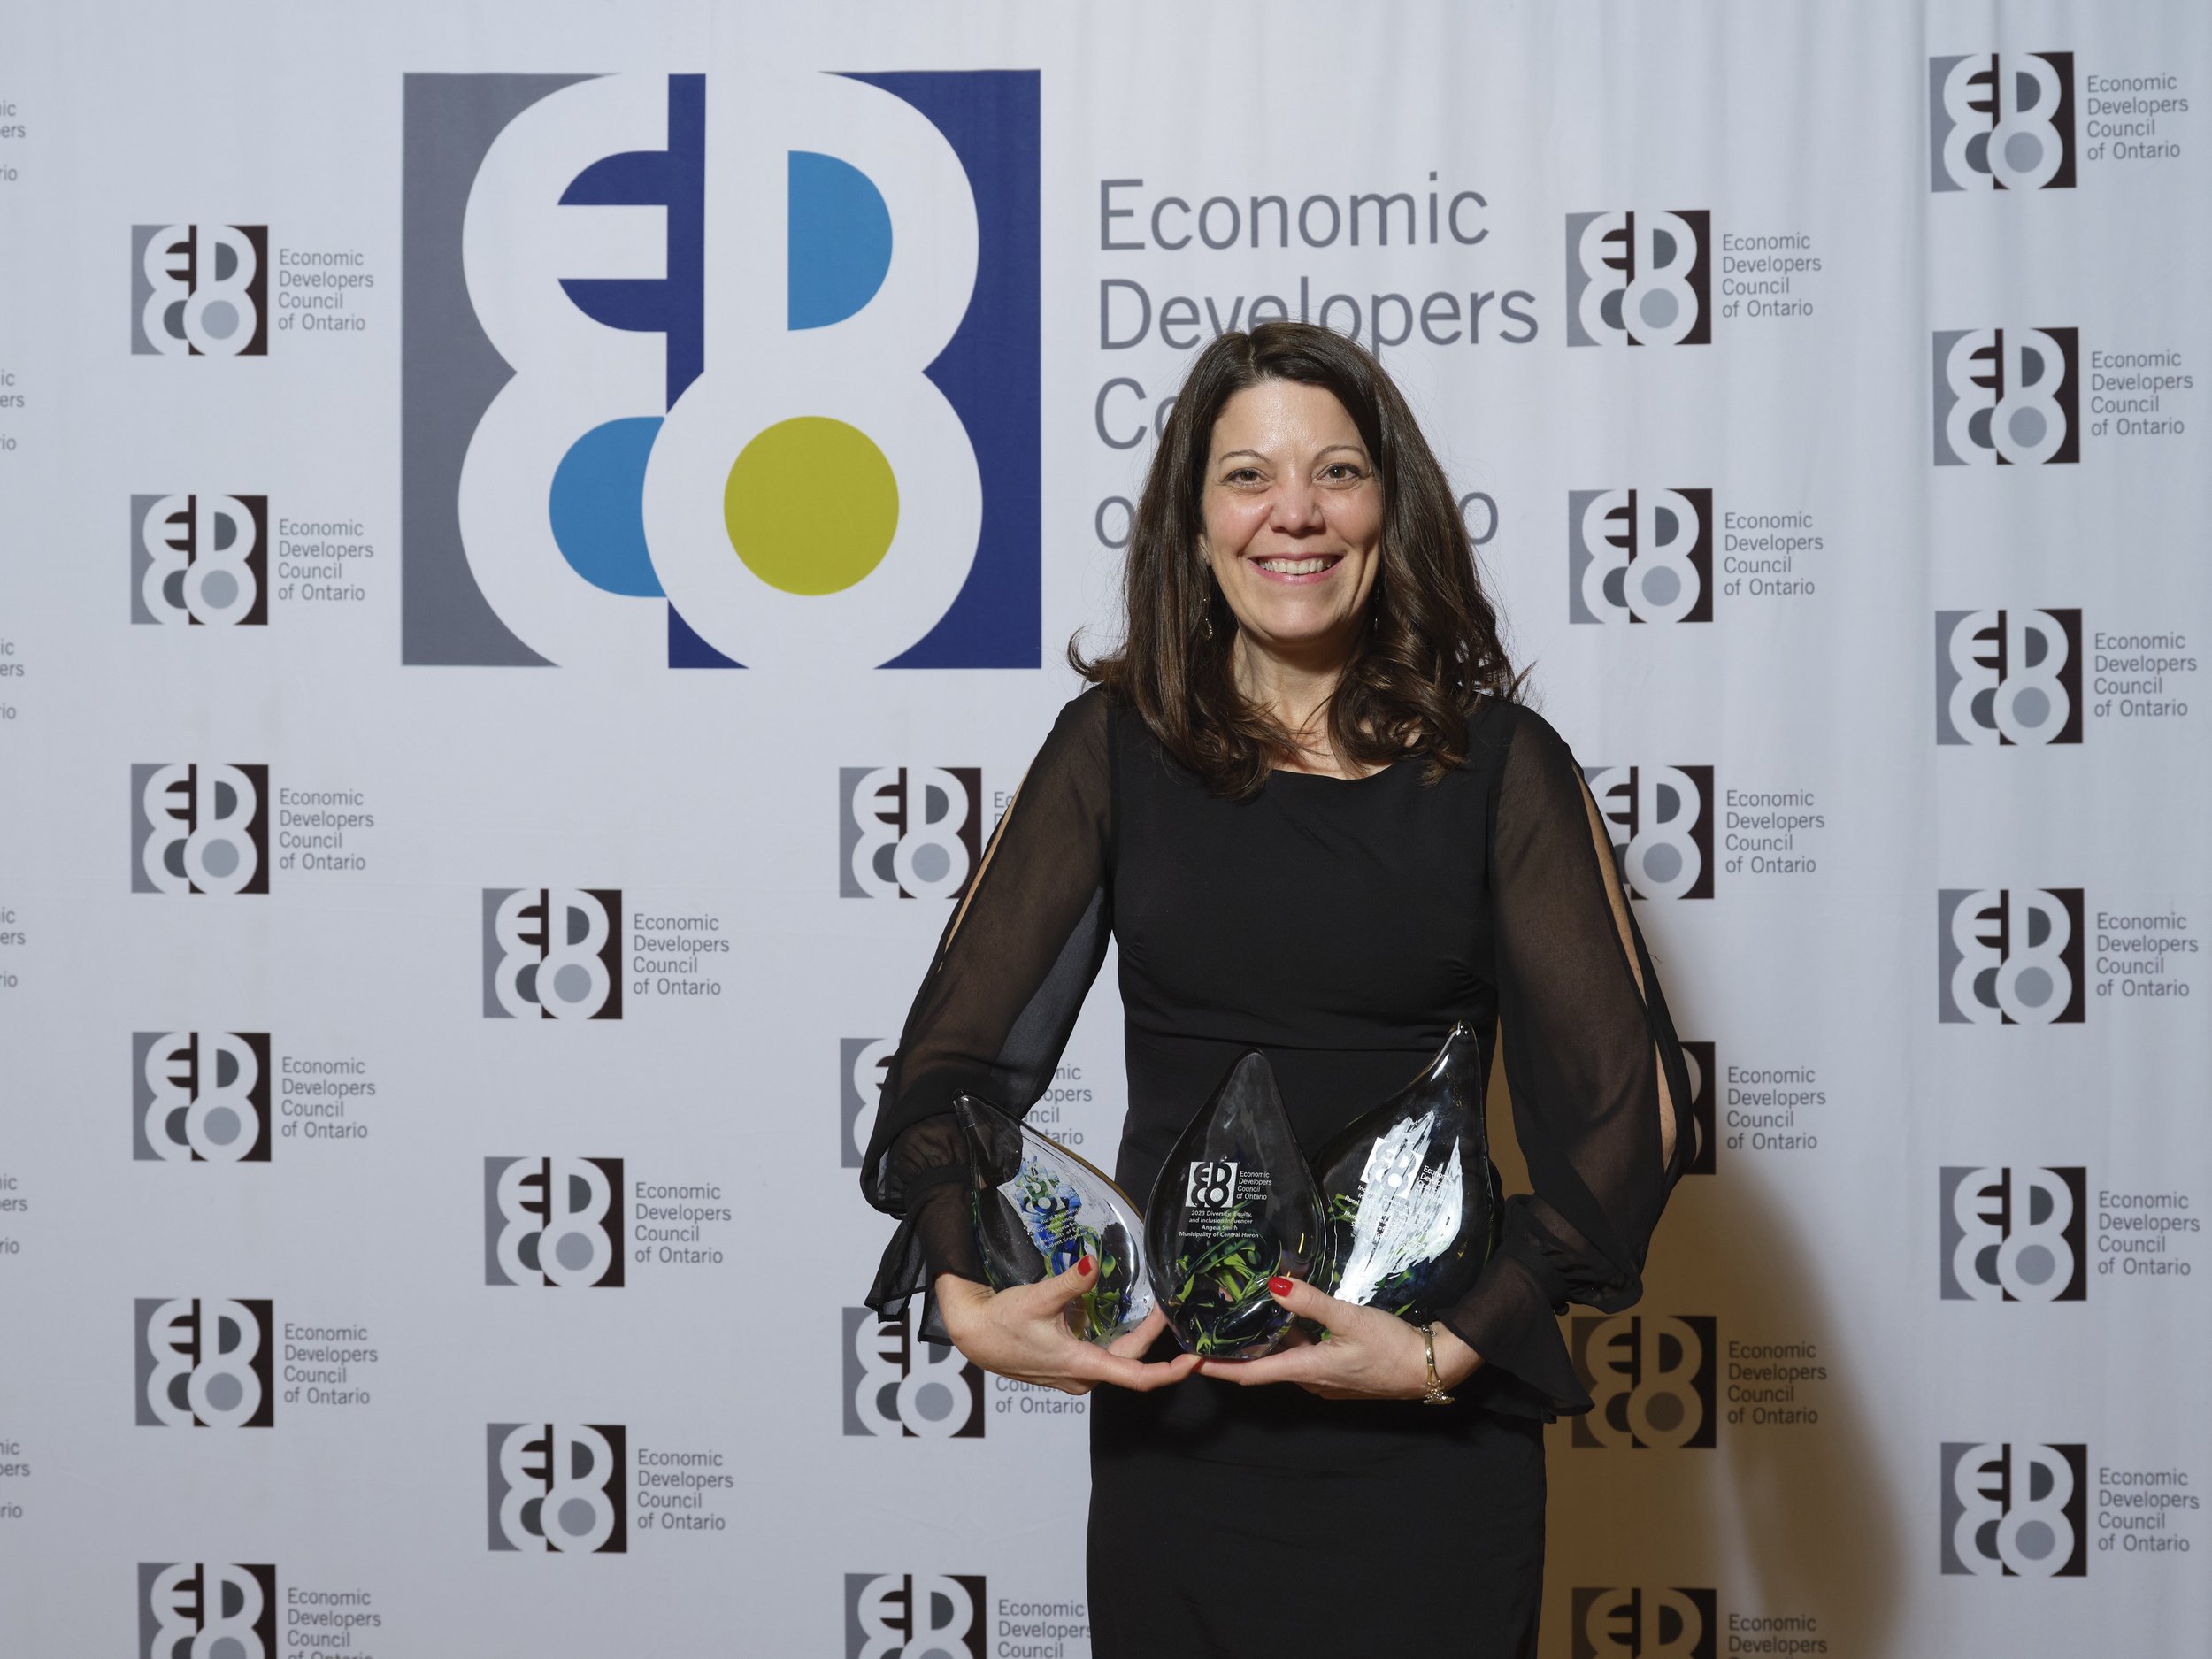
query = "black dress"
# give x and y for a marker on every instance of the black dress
(1340, 927)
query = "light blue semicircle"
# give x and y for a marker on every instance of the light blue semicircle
(597, 507)
(839, 240)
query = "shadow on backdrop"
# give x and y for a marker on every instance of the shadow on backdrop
(1782, 1520)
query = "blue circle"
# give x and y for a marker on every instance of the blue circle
(597, 507)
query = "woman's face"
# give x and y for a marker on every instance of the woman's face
(1293, 513)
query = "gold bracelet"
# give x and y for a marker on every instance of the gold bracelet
(1436, 1396)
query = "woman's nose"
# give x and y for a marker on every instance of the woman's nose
(1297, 506)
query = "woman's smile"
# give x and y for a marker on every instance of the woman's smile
(1301, 569)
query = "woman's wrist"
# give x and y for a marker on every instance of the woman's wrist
(1456, 1362)
(955, 1295)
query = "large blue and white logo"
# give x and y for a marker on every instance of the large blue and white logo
(710, 372)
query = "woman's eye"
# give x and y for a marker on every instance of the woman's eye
(1342, 470)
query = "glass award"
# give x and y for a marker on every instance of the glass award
(1235, 1203)
(1407, 1190)
(1040, 1209)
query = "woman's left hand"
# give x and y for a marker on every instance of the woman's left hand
(1364, 1354)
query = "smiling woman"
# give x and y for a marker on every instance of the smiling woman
(1289, 445)
(1303, 801)
(1293, 517)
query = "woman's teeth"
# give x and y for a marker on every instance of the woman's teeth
(1296, 567)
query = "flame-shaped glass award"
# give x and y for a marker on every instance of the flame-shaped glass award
(1040, 1209)
(1407, 1188)
(1234, 1204)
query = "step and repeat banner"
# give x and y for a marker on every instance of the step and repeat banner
(538, 540)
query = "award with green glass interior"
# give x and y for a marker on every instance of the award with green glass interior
(1040, 1209)
(1234, 1204)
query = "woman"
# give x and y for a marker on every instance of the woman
(1303, 801)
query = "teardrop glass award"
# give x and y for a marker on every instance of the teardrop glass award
(1235, 1203)
(1407, 1188)
(1040, 1209)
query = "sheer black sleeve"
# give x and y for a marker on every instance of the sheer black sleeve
(1017, 956)
(1594, 1066)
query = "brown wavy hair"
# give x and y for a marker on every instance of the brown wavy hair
(1416, 674)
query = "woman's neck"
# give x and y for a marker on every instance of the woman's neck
(1294, 687)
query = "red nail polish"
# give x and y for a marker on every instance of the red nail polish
(1278, 1286)
(1084, 1267)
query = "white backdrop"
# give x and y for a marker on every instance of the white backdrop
(1828, 420)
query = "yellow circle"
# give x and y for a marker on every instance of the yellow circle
(811, 505)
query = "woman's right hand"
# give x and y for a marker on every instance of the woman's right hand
(1023, 1333)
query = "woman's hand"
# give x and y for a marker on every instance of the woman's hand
(1023, 1333)
(1364, 1354)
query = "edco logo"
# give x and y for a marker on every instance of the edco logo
(2001, 121)
(199, 1097)
(552, 953)
(200, 560)
(1699, 1062)
(908, 832)
(860, 1065)
(2010, 956)
(204, 1363)
(915, 1616)
(553, 1221)
(898, 1386)
(1660, 819)
(1645, 1623)
(2008, 677)
(199, 291)
(1650, 1377)
(199, 828)
(1639, 556)
(2007, 396)
(720, 372)
(2017, 1234)
(222, 1608)
(558, 1487)
(2015, 1510)
(1211, 1183)
(1640, 278)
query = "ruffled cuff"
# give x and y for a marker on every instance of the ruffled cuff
(1510, 1319)
(927, 1169)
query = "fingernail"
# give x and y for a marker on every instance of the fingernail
(1278, 1286)
(1084, 1267)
